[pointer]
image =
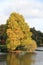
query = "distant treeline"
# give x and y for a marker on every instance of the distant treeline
(3, 35)
(37, 36)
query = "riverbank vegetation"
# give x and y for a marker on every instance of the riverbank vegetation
(37, 36)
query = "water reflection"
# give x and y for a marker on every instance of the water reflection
(22, 59)
(17, 59)
(3, 59)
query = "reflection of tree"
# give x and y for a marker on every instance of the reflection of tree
(19, 60)
(11, 59)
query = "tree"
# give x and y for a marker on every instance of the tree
(3, 35)
(37, 36)
(18, 33)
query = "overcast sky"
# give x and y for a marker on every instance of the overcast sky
(32, 10)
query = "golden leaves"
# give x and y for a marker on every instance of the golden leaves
(18, 33)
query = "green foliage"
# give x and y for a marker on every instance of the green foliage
(37, 36)
(3, 35)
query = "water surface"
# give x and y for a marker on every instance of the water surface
(35, 58)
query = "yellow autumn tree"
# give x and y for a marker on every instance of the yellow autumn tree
(18, 33)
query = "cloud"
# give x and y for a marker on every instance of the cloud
(36, 22)
(26, 7)
(32, 10)
(29, 8)
(3, 19)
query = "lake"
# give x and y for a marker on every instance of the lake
(35, 58)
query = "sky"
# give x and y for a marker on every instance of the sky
(32, 10)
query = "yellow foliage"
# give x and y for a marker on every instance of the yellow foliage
(18, 33)
(29, 44)
(12, 43)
